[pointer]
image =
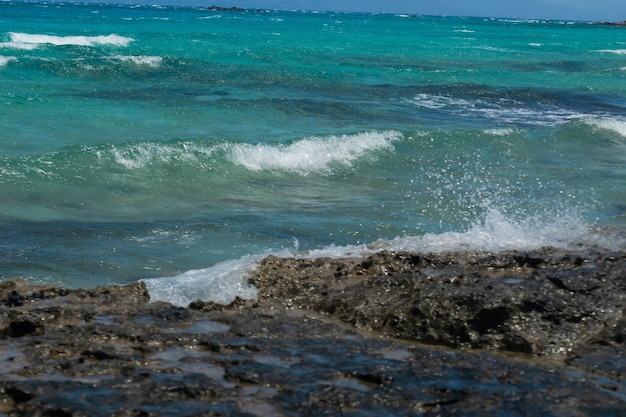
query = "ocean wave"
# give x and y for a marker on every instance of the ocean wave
(500, 132)
(612, 51)
(4, 60)
(497, 232)
(140, 60)
(29, 41)
(305, 156)
(501, 110)
(494, 49)
(311, 155)
(494, 232)
(615, 125)
(140, 155)
(16, 45)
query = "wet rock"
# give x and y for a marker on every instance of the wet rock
(543, 303)
(537, 333)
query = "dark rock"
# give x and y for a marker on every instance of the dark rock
(544, 303)
(614, 23)
(232, 9)
(22, 328)
(537, 333)
(225, 9)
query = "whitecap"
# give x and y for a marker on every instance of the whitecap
(433, 101)
(508, 111)
(140, 60)
(498, 232)
(29, 40)
(6, 59)
(495, 232)
(499, 132)
(612, 51)
(492, 48)
(139, 155)
(311, 155)
(19, 45)
(615, 125)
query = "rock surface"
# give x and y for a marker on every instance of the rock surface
(394, 334)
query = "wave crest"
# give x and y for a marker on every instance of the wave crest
(311, 155)
(20, 40)
(615, 125)
(6, 59)
(140, 60)
(136, 156)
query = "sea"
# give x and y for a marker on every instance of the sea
(179, 146)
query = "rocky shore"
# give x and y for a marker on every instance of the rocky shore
(393, 334)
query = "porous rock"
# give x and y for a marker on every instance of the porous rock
(399, 334)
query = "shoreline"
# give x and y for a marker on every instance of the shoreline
(541, 332)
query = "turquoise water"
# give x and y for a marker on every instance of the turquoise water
(180, 145)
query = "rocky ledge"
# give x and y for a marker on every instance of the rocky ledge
(233, 9)
(394, 334)
(614, 23)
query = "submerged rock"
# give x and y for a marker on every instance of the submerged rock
(537, 333)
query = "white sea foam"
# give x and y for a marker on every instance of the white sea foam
(493, 48)
(221, 284)
(141, 60)
(503, 111)
(136, 156)
(496, 232)
(31, 41)
(18, 45)
(6, 59)
(616, 125)
(612, 51)
(434, 101)
(499, 132)
(311, 155)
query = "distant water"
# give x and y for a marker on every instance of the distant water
(181, 145)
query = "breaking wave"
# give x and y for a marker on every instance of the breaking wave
(309, 155)
(31, 41)
(305, 156)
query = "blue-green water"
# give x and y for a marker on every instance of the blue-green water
(144, 142)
